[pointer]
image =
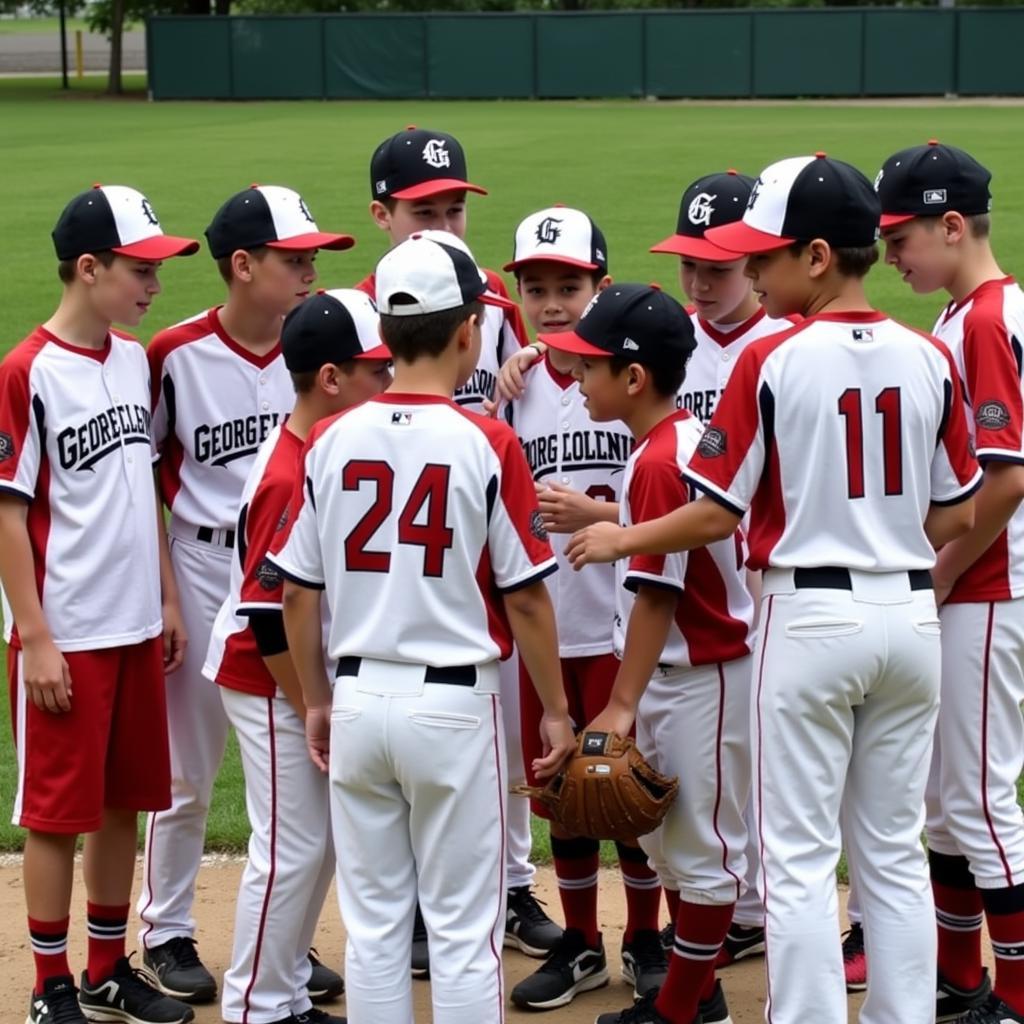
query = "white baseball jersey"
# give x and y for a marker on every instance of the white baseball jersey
(214, 404)
(833, 474)
(415, 515)
(75, 444)
(502, 333)
(564, 445)
(719, 346)
(715, 613)
(985, 333)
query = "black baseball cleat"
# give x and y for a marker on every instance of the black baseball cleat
(715, 1010)
(641, 1012)
(324, 984)
(128, 996)
(56, 1004)
(315, 1016)
(740, 942)
(992, 1011)
(952, 1003)
(527, 927)
(644, 964)
(175, 969)
(572, 967)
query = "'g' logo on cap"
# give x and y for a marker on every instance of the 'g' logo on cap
(548, 231)
(435, 153)
(700, 210)
(148, 213)
(754, 193)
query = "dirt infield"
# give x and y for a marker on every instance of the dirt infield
(214, 910)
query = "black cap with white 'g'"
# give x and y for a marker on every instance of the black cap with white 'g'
(331, 327)
(928, 181)
(115, 218)
(560, 235)
(800, 199)
(637, 322)
(272, 216)
(418, 163)
(709, 202)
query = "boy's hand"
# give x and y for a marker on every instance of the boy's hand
(175, 637)
(613, 719)
(318, 735)
(510, 377)
(558, 742)
(566, 510)
(598, 542)
(47, 678)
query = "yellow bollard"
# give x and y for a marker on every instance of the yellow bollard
(79, 63)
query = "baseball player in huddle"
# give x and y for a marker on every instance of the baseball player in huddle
(331, 347)
(419, 521)
(91, 613)
(220, 386)
(845, 438)
(684, 641)
(935, 223)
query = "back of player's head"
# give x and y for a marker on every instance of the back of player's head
(426, 288)
(634, 323)
(113, 219)
(330, 327)
(803, 198)
(418, 163)
(559, 234)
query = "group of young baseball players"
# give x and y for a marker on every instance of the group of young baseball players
(333, 520)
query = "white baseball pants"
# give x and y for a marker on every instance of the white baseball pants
(519, 842)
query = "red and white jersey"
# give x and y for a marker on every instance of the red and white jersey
(75, 444)
(715, 613)
(985, 333)
(415, 515)
(214, 404)
(502, 333)
(719, 346)
(837, 435)
(564, 445)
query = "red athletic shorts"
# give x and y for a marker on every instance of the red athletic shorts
(109, 750)
(588, 684)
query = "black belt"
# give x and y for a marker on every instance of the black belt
(835, 577)
(452, 675)
(206, 533)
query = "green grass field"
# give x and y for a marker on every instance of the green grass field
(39, 26)
(623, 162)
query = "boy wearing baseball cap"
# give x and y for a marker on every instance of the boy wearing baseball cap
(331, 347)
(845, 438)
(935, 223)
(91, 611)
(418, 520)
(220, 386)
(683, 632)
(560, 261)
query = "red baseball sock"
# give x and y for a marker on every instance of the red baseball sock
(1004, 912)
(49, 949)
(958, 913)
(700, 932)
(107, 929)
(643, 891)
(576, 863)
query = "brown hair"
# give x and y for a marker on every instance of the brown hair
(424, 334)
(66, 269)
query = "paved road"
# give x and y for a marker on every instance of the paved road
(21, 52)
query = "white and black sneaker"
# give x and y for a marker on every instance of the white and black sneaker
(175, 969)
(992, 1011)
(527, 927)
(952, 1003)
(714, 1010)
(128, 996)
(324, 984)
(56, 1004)
(572, 967)
(644, 963)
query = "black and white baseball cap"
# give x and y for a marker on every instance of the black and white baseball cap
(429, 272)
(800, 199)
(268, 215)
(638, 322)
(115, 218)
(928, 181)
(709, 202)
(331, 327)
(417, 163)
(559, 234)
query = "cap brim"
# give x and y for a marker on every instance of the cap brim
(890, 220)
(570, 341)
(741, 238)
(436, 185)
(696, 248)
(314, 240)
(380, 352)
(545, 258)
(158, 247)
(489, 298)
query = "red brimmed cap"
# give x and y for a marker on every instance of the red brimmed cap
(709, 202)
(331, 327)
(416, 164)
(559, 234)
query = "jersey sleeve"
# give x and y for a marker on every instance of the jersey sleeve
(295, 547)
(955, 474)
(161, 394)
(22, 424)
(517, 541)
(992, 368)
(513, 328)
(266, 515)
(655, 489)
(729, 460)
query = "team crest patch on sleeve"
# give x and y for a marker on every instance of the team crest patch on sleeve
(268, 575)
(6, 447)
(537, 527)
(283, 521)
(713, 443)
(992, 415)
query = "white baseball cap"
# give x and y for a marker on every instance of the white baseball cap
(429, 272)
(560, 234)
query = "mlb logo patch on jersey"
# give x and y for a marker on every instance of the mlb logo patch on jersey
(863, 334)
(933, 196)
(401, 419)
